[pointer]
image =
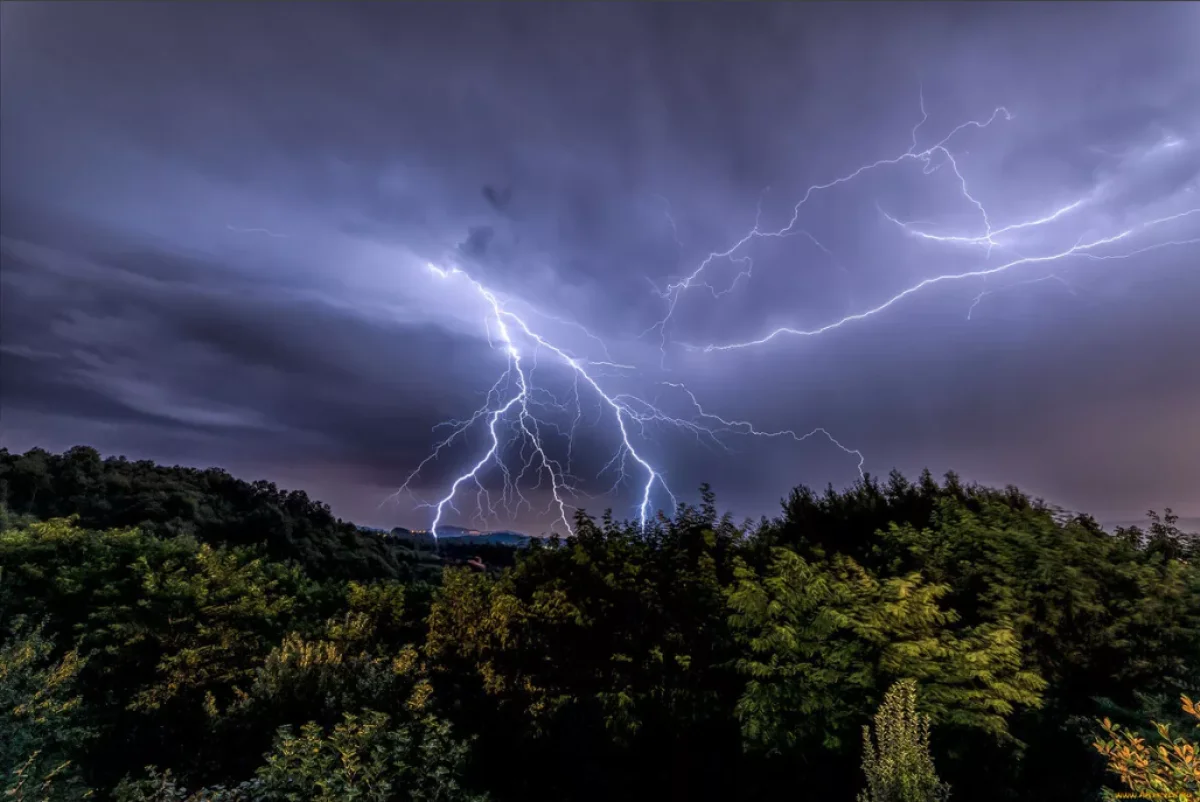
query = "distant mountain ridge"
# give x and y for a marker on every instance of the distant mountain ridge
(506, 537)
(456, 534)
(509, 537)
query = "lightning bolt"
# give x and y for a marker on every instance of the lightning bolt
(674, 291)
(709, 426)
(992, 237)
(514, 395)
(512, 418)
(985, 293)
(514, 399)
(1079, 249)
(989, 238)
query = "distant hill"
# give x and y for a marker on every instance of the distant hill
(458, 536)
(210, 505)
(502, 538)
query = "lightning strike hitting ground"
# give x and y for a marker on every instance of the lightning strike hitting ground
(514, 398)
(513, 415)
(514, 393)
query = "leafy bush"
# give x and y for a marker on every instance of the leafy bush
(897, 763)
(365, 758)
(40, 728)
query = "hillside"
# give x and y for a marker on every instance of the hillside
(191, 638)
(464, 537)
(210, 505)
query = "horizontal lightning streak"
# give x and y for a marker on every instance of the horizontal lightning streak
(932, 159)
(1078, 249)
(748, 428)
(514, 400)
(990, 237)
(674, 291)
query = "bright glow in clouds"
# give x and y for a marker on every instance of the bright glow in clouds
(515, 400)
(521, 418)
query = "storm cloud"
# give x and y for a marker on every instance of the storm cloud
(215, 222)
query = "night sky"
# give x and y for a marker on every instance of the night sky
(217, 221)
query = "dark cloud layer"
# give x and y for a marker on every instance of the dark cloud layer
(214, 220)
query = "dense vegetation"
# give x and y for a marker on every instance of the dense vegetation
(172, 634)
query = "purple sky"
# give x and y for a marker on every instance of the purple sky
(215, 221)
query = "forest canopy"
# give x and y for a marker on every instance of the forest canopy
(177, 634)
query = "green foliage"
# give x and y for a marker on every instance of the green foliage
(1163, 536)
(40, 728)
(174, 631)
(249, 645)
(822, 642)
(615, 642)
(210, 505)
(220, 611)
(1083, 600)
(365, 657)
(897, 763)
(365, 757)
(1099, 617)
(192, 617)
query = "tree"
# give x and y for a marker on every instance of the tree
(210, 505)
(898, 764)
(822, 641)
(365, 657)
(40, 722)
(1105, 619)
(248, 644)
(608, 655)
(366, 757)
(173, 630)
